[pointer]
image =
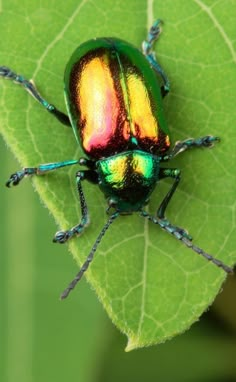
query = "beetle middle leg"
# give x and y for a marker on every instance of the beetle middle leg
(181, 146)
(147, 45)
(16, 178)
(30, 87)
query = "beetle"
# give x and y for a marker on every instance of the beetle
(114, 98)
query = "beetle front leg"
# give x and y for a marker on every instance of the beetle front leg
(62, 236)
(147, 45)
(172, 173)
(181, 146)
(32, 90)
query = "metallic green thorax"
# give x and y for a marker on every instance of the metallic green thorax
(127, 179)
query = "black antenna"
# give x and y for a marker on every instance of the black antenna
(85, 266)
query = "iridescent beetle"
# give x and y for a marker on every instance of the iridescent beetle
(114, 104)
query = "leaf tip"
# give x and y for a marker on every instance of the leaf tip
(132, 344)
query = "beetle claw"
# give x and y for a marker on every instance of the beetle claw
(210, 140)
(14, 180)
(61, 237)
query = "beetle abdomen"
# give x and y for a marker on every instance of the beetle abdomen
(114, 99)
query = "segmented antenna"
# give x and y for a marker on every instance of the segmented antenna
(85, 266)
(176, 232)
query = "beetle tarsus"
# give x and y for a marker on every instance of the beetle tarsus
(61, 237)
(209, 140)
(14, 180)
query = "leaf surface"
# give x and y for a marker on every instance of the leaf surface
(151, 286)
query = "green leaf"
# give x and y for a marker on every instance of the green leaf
(151, 285)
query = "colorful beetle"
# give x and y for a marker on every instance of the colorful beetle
(114, 104)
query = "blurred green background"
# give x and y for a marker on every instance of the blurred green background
(43, 339)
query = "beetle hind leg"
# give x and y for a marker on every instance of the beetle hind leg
(30, 87)
(147, 46)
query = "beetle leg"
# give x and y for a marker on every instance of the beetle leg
(180, 146)
(90, 256)
(147, 45)
(163, 223)
(40, 170)
(32, 90)
(172, 173)
(62, 236)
